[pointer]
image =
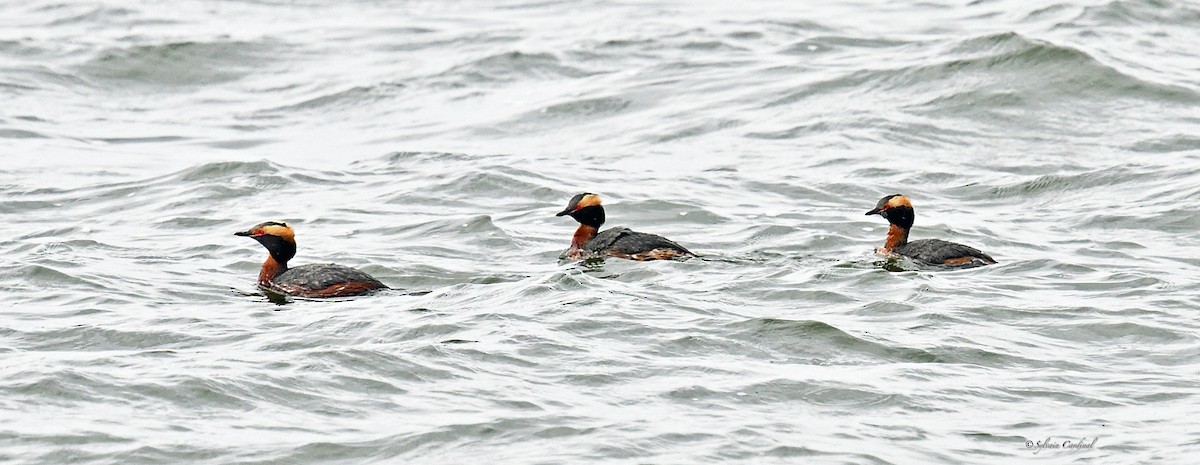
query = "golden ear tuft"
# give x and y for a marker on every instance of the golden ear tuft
(899, 201)
(589, 200)
(281, 230)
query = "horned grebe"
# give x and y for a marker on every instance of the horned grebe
(327, 280)
(615, 242)
(899, 212)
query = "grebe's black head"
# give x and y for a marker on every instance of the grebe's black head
(278, 238)
(586, 209)
(897, 209)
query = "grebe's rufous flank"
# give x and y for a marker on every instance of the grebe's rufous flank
(899, 212)
(589, 241)
(326, 280)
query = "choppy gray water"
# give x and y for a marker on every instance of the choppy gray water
(430, 144)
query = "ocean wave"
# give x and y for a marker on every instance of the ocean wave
(515, 66)
(179, 64)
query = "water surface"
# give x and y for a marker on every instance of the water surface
(431, 143)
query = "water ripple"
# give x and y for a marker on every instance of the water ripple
(430, 144)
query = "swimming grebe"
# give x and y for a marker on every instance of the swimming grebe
(899, 212)
(303, 281)
(615, 242)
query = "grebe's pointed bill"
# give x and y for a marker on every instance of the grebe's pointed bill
(579, 202)
(269, 228)
(894, 200)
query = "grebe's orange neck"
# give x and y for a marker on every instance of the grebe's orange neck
(270, 270)
(582, 235)
(896, 237)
